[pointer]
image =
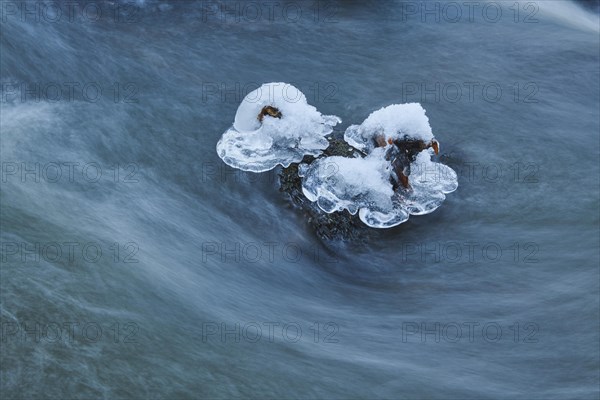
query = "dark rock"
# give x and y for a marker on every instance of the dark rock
(340, 225)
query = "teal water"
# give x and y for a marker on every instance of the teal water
(135, 264)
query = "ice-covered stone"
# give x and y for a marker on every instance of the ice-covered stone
(274, 125)
(396, 179)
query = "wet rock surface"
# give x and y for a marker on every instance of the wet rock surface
(339, 225)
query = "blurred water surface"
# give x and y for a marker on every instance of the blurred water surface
(209, 285)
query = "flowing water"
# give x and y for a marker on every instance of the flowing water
(135, 264)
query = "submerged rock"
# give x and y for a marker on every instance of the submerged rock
(377, 173)
(336, 225)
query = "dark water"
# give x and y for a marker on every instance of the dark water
(151, 270)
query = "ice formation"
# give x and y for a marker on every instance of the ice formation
(393, 122)
(367, 185)
(274, 125)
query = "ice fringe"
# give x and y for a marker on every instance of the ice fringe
(260, 144)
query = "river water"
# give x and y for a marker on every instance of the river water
(135, 264)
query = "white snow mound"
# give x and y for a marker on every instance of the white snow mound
(392, 122)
